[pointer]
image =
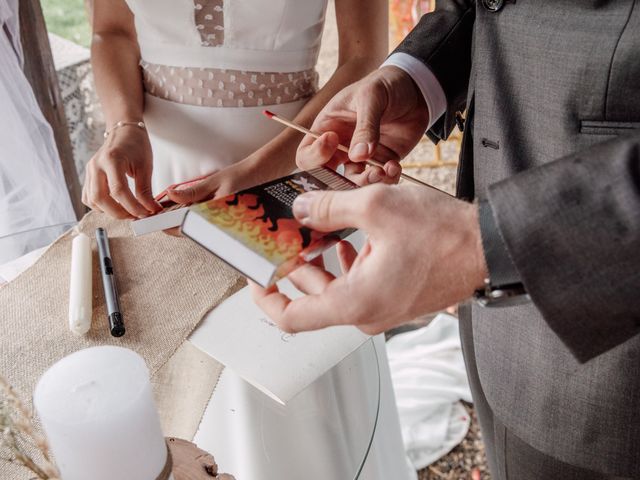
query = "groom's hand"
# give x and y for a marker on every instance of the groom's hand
(423, 254)
(381, 117)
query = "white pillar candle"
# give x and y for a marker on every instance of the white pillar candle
(97, 410)
(80, 287)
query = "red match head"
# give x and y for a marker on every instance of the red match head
(268, 113)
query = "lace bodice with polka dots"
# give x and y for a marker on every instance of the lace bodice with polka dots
(209, 18)
(215, 87)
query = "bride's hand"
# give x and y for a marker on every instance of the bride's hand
(239, 176)
(127, 152)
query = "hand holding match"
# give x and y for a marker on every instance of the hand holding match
(342, 148)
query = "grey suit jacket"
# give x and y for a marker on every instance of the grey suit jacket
(552, 90)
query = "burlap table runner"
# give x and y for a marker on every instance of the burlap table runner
(166, 286)
(182, 388)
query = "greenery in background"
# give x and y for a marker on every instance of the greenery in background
(68, 19)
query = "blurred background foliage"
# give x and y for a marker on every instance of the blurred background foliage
(68, 19)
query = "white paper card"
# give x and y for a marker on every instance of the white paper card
(159, 222)
(241, 337)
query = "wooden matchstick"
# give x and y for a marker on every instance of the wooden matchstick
(342, 148)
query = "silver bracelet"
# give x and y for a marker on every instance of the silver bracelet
(122, 123)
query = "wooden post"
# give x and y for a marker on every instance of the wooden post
(41, 73)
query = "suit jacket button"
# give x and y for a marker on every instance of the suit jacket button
(493, 5)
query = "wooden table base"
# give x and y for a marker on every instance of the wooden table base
(192, 463)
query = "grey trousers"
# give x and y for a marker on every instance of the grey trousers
(509, 457)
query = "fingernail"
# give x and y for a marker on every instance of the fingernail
(370, 148)
(302, 207)
(359, 151)
(394, 170)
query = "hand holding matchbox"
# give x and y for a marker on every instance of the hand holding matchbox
(170, 216)
(255, 231)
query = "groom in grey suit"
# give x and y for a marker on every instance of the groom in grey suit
(551, 158)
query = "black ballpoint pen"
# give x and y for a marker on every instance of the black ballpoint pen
(116, 322)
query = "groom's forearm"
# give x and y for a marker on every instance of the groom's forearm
(572, 229)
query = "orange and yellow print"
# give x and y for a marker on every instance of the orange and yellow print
(249, 220)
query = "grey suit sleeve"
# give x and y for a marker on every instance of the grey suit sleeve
(572, 229)
(502, 271)
(442, 40)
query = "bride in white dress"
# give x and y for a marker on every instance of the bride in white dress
(183, 84)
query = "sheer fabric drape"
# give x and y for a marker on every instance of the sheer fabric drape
(33, 194)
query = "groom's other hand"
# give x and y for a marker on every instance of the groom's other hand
(423, 254)
(381, 117)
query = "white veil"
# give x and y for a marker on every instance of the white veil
(33, 194)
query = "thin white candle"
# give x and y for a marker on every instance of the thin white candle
(97, 410)
(80, 287)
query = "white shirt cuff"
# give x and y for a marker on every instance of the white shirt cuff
(425, 79)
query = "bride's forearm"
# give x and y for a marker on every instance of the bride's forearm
(115, 60)
(117, 77)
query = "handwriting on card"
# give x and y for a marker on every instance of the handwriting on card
(284, 336)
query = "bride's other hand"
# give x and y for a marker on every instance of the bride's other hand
(215, 185)
(126, 153)
(251, 171)
(115, 58)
